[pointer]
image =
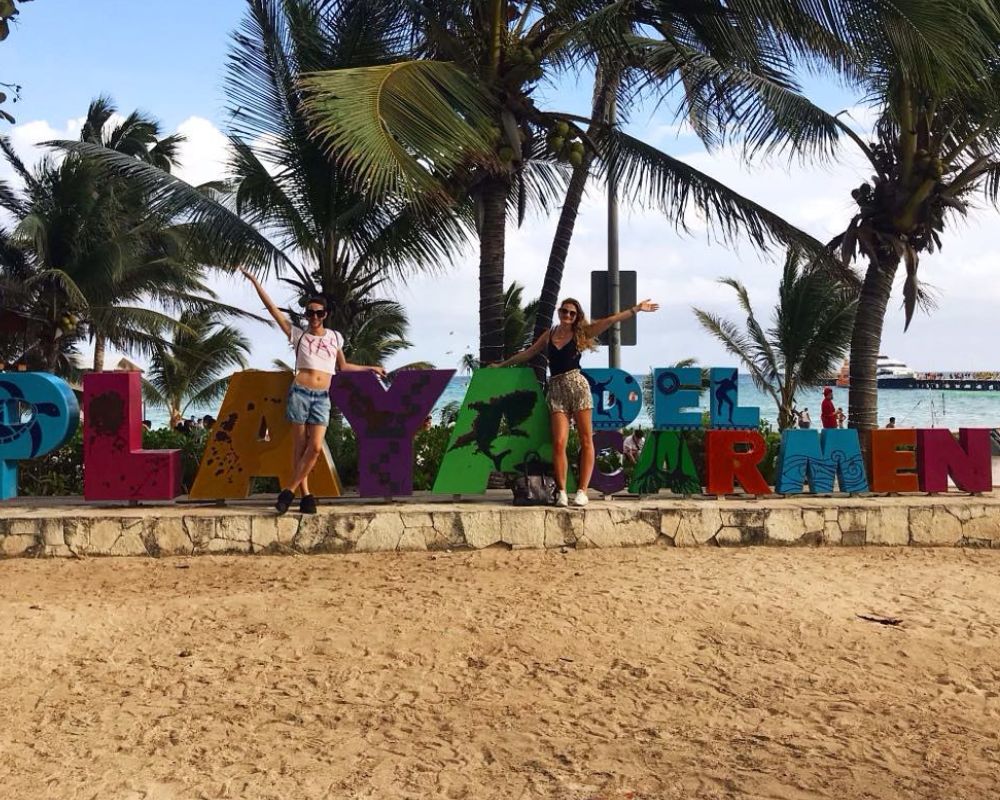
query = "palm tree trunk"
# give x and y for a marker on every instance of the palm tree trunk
(560, 246)
(866, 342)
(491, 264)
(100, 343)
(552, 283)
(49, 350)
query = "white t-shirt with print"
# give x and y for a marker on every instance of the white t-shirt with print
(316, 352)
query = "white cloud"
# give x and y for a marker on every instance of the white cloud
(204, 152)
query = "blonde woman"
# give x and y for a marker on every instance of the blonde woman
(569, 393)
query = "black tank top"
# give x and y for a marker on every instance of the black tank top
(563, 359)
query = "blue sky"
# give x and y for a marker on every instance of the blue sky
(168, 58)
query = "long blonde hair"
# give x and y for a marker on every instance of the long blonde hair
(580, 325)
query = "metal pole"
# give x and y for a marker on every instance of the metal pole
(614, 283)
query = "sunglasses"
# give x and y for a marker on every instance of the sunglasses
(569, 312)
(313, 312)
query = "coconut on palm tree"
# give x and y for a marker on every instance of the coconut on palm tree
(935, 148)
(193, 369)
(809, 334)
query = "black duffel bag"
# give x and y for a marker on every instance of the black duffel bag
(533, 487)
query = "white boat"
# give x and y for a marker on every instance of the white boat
(890, 373)
(892, 368)
(894, 374)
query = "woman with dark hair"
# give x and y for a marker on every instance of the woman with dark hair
(569, 393)
(319, 354)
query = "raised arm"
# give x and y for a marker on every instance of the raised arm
(280, 318)
(343, 365)
(598, 326)
(525, 355)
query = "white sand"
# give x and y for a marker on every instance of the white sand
(645, 673)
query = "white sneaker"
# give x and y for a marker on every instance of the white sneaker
(580, 498)
(562, 500)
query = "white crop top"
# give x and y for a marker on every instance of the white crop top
(316, 352)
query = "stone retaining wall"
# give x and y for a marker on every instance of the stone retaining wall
(179, 530)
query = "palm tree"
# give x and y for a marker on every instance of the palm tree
(936, 145)
(809, 336)
(8, 11)
(341, 244)
(469, 363)
(93, 255)
(929, 71)
(194, 368)
(454, 117)
(518, 320)
(377, 334)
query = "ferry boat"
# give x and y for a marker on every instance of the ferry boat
(894, 374)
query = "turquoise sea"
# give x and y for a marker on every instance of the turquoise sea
(912, 408)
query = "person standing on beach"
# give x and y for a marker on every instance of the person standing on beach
(827, 412)
(805, 421)
(841, 417)
(319, 353)
(569, 393)
(891, 423)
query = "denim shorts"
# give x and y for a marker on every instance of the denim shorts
(308, 406)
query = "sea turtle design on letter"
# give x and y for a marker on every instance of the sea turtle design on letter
(12, 424)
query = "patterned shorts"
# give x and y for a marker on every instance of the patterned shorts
(569, 393)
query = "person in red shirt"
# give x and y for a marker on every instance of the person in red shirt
(828, 412)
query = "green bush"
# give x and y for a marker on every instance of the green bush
(57, 474)
(191, 445)
(60, 473)
(428, 452)
(343, 446)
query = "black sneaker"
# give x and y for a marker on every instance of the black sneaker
(307, 505)
(284, 501)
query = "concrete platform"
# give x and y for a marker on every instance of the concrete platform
(70, 527)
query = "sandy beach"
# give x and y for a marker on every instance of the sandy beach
(642, 673)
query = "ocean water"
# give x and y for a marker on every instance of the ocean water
(912, 408)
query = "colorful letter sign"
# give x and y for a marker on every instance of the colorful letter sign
(617, 398)
(967, 461)
(385, 423)
(665, 463)
(38, 413)
(675, 390)
(503, 419)
(252, 439)
(726, 411)
(115, 465)
(820, 455)
(725, 464)
(608, 482)
(887, 459)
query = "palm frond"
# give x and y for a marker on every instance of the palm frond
(647, 175)
(399, 127)
(235, 242)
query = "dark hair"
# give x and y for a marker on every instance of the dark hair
(318, 300)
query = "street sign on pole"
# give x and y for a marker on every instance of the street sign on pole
(601, 307)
